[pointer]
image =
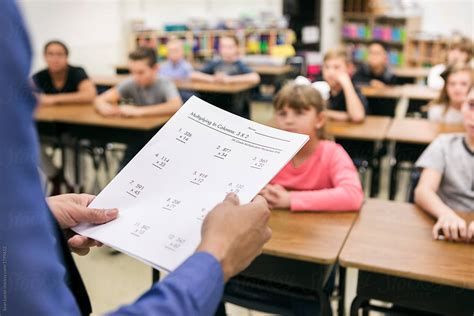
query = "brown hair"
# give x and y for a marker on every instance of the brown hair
(300, 97)
(56, 42)
(464, 45)
(232, 37)
(337, 52)
(443, 97)
(144, 53)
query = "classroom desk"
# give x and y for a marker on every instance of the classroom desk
(399, 262)
(410, 96)
(409, 137)
(412, 72)
(81, 121)
(374, 128)
(299, 258)
(198, 86)
(409, 91)
(419, 131)
(260, 69)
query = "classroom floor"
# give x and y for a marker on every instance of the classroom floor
(113, 279)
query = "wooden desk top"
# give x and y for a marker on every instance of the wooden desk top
(110, 81)
(395, 238)
(182, 85)
(214, 87)
(419, 131)
(410, 91)
(84, 114)
(391, 92)
(271, 70)
(373, 128)
(260, 69)
(309, 236)
(411, 72)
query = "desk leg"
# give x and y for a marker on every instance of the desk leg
(325, 303)
(393, 169)
(77, 166)
(342, 292)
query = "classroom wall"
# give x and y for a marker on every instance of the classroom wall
(444, 16)
(96, 30)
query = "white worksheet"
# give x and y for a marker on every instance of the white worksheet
(188, 167)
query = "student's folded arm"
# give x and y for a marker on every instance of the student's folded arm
(346, 195)
(111, 96)
(85, 94)
(426, 196)
(355, 107)
(194, 288)
(252, 77)
(200, 76)
(168, 108)
(337, 115)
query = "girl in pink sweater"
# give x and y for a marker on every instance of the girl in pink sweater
(321, 177)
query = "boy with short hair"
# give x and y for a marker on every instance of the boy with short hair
(145, 94)
(346, 102)
(376, 71)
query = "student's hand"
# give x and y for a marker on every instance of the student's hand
(235, 234)
(131, 111)
(470, 232)
(108, 110)
(221, 77)
(344, 79)
(454, 228)
(46, 99)
(70, 210)
(377, 83)
(276, 196)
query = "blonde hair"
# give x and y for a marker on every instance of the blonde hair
(464, 45)
(300, 97)
(337, 52)
(443, 97)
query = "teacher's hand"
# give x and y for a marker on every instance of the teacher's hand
(235, 234)
(70, 210)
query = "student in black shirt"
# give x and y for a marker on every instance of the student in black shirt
(62, 83)
(376, 71)
(345, 103)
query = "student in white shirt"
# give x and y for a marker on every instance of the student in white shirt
(460, 51)
(447, 107)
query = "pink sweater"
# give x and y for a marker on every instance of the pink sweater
(326, 181)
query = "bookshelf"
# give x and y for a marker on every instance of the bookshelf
(360, 28)
(202, 45)
(426, 52)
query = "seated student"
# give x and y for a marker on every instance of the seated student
(228, 69)
(346, 102)
(62, 83)
(321, 177)
(460, 51)
(321, 172)
(144, 93)
(175, 67)
(376, 71)
(447, 107)
(447, 179)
